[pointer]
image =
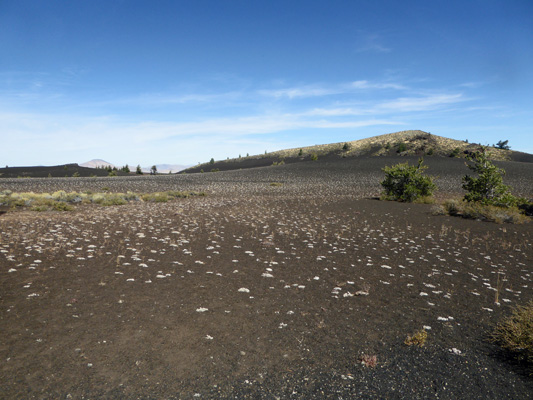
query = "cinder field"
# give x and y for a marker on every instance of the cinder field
(276, 284)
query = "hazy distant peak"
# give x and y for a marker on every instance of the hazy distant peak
(96, 163)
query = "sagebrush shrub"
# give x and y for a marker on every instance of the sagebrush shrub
(406, 182)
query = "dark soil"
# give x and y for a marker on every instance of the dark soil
(255, 291)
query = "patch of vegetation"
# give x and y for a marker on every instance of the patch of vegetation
(401, 147)
(63, 201)
(155, 197)
(314, 157)
(430, 152)
(276, 184)
(417, 339)
(515, 332)
(483, 212)
(346, 146)
(404, 182)
(282, 162)
(455, 152)
(139, 171)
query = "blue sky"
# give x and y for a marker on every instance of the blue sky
(146, 82)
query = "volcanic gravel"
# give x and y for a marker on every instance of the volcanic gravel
(261, 291)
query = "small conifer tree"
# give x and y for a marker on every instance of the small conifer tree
(488, 187)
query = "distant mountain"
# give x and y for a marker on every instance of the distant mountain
(96, 164)
(164, 168)
(404, 143)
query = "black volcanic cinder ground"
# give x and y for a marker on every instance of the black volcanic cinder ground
(256, 291)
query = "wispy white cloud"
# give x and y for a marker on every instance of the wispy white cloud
(371, 42)
(376, 85)
(409, 104)
(328, 90)
(398, 105)
(303, 91)
(154, 99)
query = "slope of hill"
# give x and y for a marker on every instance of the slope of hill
(404, 143)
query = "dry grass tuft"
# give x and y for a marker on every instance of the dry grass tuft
(515, 333)
(417, 339)
(499, 215)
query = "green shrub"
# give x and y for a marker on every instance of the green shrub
(401, 147)
(488, 187)
(515, 332)
(455, 152)
(406, 182)
(113, 199)
(430, 152)
(157, 197)
(40, 208)
(60, 206)
(314, 157)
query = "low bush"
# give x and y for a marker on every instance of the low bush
(515, 332)
(401, 148)
(483, 212)
(455, 152)
(417, 339)
(406, 182)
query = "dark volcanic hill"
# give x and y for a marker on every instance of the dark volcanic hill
(405, 143)
(56, 171)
